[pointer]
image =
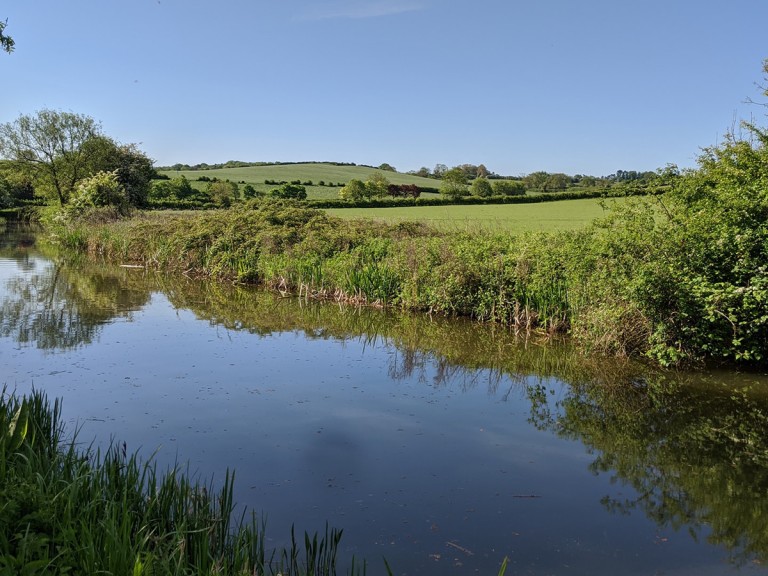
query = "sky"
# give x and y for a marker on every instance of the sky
(574, 86)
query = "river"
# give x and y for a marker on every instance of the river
(440, 444)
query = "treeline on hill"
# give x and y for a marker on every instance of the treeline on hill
(241, 164)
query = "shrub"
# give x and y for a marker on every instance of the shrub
(100, 190)
(508, 188)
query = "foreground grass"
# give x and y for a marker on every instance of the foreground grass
(69, 511)
(546, 216)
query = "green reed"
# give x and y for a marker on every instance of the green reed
(72, 510)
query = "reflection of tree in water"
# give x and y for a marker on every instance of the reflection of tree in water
(696, 456)
(426, 367)
(57, 307)
(16, 245)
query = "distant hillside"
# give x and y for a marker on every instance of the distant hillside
(325, 172)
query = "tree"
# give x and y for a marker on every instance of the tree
(49, 146)
(6, 42)
(133, 168)
(290, 192)
(387, 167)
(178, 188)
(557, 181)
(454, 183)
(249, 192)
(224, 192)
(508, 188)
(377, 185)
(481, 187)
(6, 197)
(353, 191)
(440, 170)
(535, 180)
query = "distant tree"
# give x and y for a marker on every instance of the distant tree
(422, 172)
(223, 192)
(6, 42)
(440, 170)
(535, 180)
(454, 183)
(481, 187)
(177, 188)
(482, 171)
(556, 182)
(49, 146)
(249, 192)
(387, 167)
(508, 188)
(290, 191)
(377, 185)
(353, 191)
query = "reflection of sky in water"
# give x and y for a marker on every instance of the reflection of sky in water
(440, 479)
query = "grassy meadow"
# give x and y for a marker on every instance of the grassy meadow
(545, 216)
(315, 172)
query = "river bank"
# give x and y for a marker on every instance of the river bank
(659, 277)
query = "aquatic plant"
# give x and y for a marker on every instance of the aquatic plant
(71, 510)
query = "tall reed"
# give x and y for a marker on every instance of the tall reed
(67, 510)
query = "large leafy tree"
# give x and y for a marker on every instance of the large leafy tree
(454, 183)
(49, 145)
(133, 169)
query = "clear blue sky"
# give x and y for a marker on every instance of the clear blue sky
(575, 86)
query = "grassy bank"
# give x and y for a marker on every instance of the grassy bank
(680, 277)
(71, 511)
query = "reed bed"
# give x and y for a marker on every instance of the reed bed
(67, 510)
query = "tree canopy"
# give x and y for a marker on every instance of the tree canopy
(55, 150)
(49, 146)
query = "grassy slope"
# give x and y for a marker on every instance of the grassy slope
(256, 175)
(315, 172)
(548, 216)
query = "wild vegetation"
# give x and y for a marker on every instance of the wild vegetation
(680, 277)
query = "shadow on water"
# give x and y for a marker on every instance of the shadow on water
(692, 446)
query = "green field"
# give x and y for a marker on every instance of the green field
(328, 173)
(561, 215)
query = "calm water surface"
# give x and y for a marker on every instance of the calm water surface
(443, 446)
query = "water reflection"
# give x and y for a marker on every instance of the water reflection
(694, 449)
(690, 449)
(53, 304)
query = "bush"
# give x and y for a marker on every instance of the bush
(100, 190)
(291, 191)
(508, 188)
